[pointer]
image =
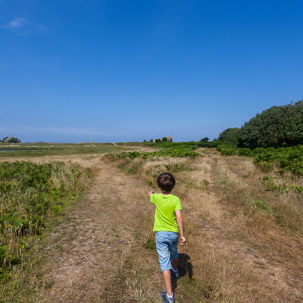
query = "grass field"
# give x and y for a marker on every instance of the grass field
(48, 149)
(245, 241)
(245, 238)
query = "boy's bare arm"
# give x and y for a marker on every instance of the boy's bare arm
(180, 224)
(150, 193)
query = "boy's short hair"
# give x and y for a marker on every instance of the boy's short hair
(166, 182)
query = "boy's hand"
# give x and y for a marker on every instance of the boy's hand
(183, 240)
(150, 193)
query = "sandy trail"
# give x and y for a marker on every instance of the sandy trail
(97, 254)
(95, 241)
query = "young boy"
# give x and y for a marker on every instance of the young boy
(168, 222)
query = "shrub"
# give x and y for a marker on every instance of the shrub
(11, 140)
(204, 140)
(285, 158)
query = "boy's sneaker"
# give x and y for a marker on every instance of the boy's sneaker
(165, 297)
(175, 273)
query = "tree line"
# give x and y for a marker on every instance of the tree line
(277, 126)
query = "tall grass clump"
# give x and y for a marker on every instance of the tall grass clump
(32, 194)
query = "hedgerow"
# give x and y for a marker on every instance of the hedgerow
(166, 149)
(183, 145)
(175, 153)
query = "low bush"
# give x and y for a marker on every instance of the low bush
(285, 158)
(270, 185)
(178, 151)
(166, 149)
(179, 145)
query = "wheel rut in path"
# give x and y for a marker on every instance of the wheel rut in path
(87, 251)
(278, 271)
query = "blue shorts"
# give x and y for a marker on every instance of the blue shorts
(166, 243)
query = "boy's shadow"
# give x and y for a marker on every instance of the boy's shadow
(185, 268)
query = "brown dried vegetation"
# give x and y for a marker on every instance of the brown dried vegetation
(242, 247)
(245, 243)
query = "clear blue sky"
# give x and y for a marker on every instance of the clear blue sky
(117, 70)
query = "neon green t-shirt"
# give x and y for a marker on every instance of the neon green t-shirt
(165, 216)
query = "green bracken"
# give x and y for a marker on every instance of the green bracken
(286, 158)
(31, 194)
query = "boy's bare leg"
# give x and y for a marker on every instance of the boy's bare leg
(167, 282)
(174, 263)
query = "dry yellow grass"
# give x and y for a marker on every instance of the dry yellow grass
(239, 249)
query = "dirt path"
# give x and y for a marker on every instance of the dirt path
(95, 243)
(102, 252)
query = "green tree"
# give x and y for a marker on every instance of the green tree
(206, 139)
(11, 140)
(274, 127)
(230, 135)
